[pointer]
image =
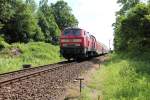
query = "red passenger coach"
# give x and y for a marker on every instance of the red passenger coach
(77, 43)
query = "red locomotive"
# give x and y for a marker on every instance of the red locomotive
(77, 43)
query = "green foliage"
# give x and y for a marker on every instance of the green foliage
(6, 10)
(39, 35)
(1, 38)
(131, 83)
(47, 22)
(3, 44)
(136, 27)
(131, 71)
(126, 5)
(23, 21)
(34, 53)
(119, 40)
(122, 78)
(132, 29)
(31, 4)
(22, 25)
(25, 25)
(1, 25)
(63, 16)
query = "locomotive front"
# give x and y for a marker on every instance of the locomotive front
(72, 43)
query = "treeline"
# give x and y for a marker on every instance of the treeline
(24, 21)
(132, 27)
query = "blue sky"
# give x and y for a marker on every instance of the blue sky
(96, 16)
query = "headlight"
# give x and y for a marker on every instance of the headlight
(77, 44)
(64, 40)
(64, 45)
(77, 40)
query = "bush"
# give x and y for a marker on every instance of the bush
(39, 36)
(130, 76)
(3, 44)
(132, 30)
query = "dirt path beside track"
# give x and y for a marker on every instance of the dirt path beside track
(73, 89)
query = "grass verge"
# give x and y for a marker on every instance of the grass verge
(121, 78)
(35, 53)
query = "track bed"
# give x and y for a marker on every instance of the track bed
(40, 83)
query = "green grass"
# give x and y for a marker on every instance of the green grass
(122, 78)
(34, 53)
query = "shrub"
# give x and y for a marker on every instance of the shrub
(3, 44)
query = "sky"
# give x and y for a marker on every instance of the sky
(95, 16)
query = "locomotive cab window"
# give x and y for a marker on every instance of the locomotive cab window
(87, 34)
(84, 32)
(75, 32)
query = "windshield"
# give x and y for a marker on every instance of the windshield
(72, 32)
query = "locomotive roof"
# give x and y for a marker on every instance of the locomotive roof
(91, 35)
(73, 28)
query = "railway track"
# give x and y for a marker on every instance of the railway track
(43, 82)
(9, 77)
(10, 74)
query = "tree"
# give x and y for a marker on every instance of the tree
(22, 26)
(1, 25)
(21, 21)
(126, 5)
(63, 16)
(132, 31)
(119, 39)
(136, 27)
(31, 4)
(6, 10)
(47, 22)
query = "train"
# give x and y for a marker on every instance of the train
(77, 43)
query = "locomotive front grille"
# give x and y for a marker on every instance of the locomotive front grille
(72, 51)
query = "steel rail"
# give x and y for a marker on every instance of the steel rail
(28, 69)
(22, 77)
